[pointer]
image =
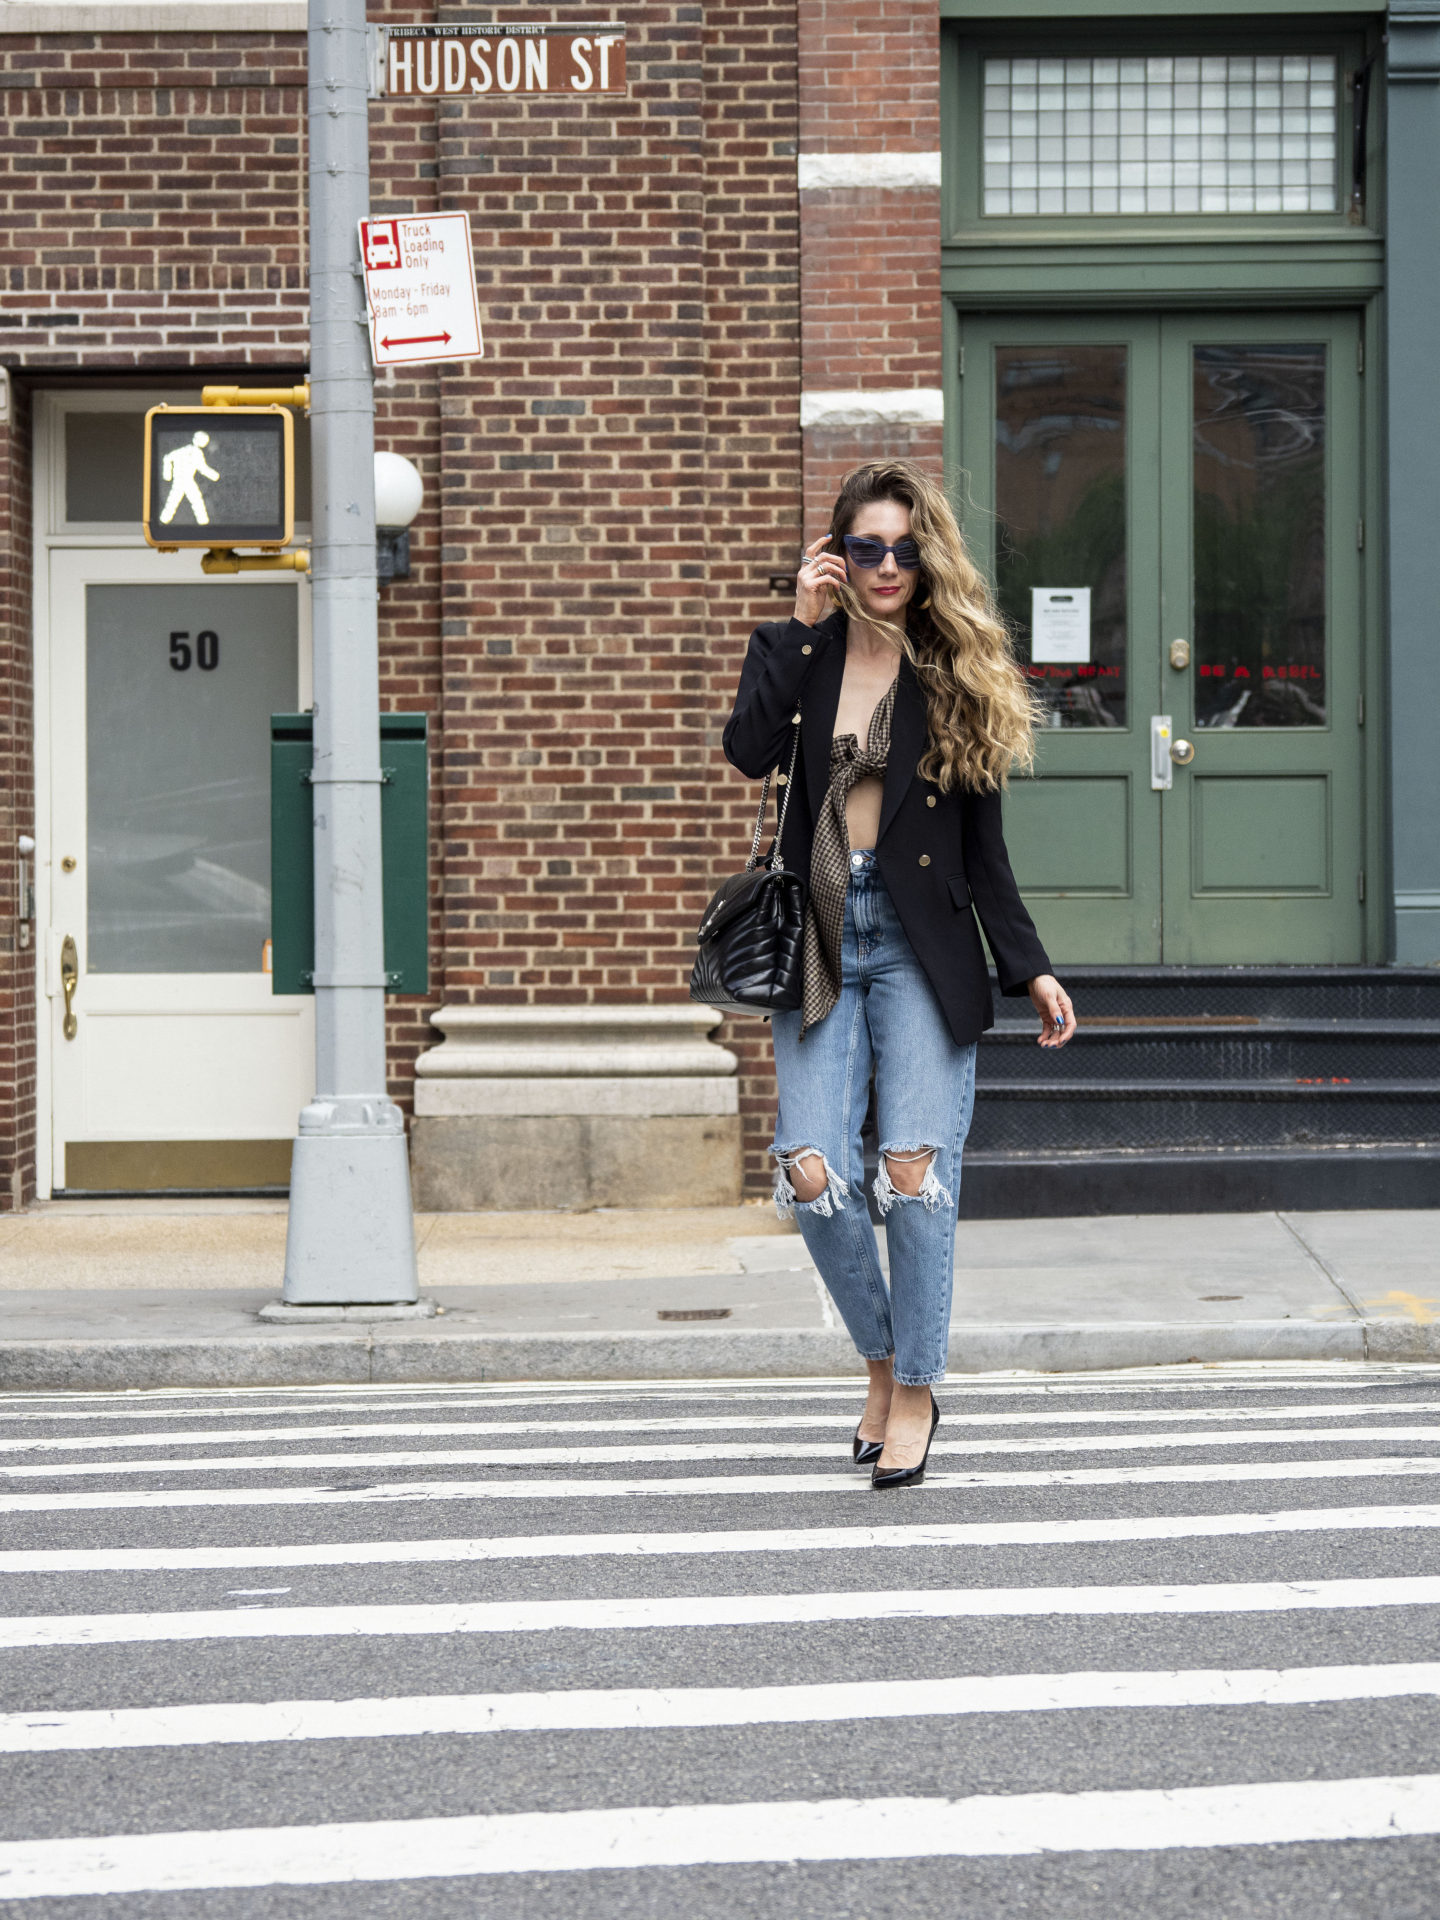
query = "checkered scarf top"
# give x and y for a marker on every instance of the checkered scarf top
(830, 859)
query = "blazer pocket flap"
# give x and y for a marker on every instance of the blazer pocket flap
(959, 891)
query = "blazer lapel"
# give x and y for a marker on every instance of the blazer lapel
(818, 706)
(907, 742)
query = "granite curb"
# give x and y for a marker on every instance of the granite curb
(398, 1354)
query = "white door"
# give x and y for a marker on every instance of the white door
(177, 1069)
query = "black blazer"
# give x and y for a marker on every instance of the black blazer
(939, 854)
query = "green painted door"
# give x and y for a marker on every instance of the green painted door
(1170, 506)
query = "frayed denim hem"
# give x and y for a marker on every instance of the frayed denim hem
(932, 1195)
(923, 1380)
(826, 1204)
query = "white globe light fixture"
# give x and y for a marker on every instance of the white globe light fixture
(399, 491)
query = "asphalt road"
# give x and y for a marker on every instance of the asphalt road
(1160, 1643)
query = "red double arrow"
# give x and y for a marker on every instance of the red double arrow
(421, 340)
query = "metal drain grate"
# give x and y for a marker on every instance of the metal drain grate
(692, 1313)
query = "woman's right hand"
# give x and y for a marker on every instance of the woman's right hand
(813, 599)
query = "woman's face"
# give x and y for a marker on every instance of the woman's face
(884, 590)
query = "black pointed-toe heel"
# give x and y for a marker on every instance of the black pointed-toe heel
(908, 1476)
(865, 1452)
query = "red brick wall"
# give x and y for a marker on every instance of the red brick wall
(870, 258)
(617, 479)
(152, 199)
(17, 814)
(753, 454)
(607, 491)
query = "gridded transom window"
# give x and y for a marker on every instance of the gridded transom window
(1225, 133)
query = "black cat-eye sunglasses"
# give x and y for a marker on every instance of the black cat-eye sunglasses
(871, 553)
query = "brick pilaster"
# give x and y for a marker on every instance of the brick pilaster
(870, 254)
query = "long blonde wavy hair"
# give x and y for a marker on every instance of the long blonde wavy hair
(981, 712)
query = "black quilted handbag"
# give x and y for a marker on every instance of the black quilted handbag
(752, 938)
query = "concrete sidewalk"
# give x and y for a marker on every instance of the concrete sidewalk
(167, 1293)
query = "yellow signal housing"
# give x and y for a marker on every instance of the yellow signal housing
(219, 477)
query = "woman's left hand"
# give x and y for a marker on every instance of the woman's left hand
(1052, 1003)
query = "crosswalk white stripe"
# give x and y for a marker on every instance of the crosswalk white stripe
(712, 1486)
(572, 1710)
(165, 1403)
(683, 1452)
(654, 1423)
(568, 1546)
(1145, 1820)
(711, 1610)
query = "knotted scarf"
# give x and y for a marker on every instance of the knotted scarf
(830, 859)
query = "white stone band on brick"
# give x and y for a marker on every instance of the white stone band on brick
(878, 407)
(839, 172)
(152, 16)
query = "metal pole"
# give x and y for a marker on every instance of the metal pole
(350, 1237)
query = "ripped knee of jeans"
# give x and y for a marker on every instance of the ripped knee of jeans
(930, 1193)
(822, 1190)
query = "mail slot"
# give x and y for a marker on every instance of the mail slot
(404, 849)
(219, 477)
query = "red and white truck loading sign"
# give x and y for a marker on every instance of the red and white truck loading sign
(420, 288)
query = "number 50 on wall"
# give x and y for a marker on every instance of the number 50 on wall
(205, 653)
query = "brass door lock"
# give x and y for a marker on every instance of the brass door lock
(1179, 655)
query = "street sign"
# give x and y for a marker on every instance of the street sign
(219, 477)
(420, 288)
(499, 59)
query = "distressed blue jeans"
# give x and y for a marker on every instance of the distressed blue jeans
(887, 1018)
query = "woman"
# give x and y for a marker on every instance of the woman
(911, 712)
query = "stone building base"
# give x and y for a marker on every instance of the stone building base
(575, 1107)
(470, 1163)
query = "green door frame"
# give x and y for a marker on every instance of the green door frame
(1090, 864)
(1057, 268)
(1263, 832)
(1255, 852)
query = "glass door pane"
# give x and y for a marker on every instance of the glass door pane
(180, 685)
(1262, 457)
(1259, 532)
(1061, 515)
(1057, 464)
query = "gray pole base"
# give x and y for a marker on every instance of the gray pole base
(281, 1313)
(350, 1240)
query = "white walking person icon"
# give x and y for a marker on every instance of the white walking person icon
(182, 467)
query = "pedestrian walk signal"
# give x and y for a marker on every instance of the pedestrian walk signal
(219, 477)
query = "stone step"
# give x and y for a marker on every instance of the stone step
(1267, 993)
(1104, 1115)
(1036, 1185)
(1231, 1048)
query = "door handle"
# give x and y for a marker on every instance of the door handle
(69, 981)
(1181, 752)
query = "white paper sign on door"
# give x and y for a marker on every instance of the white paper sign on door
(1060, 624)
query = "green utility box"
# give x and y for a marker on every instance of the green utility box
(404, 847)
